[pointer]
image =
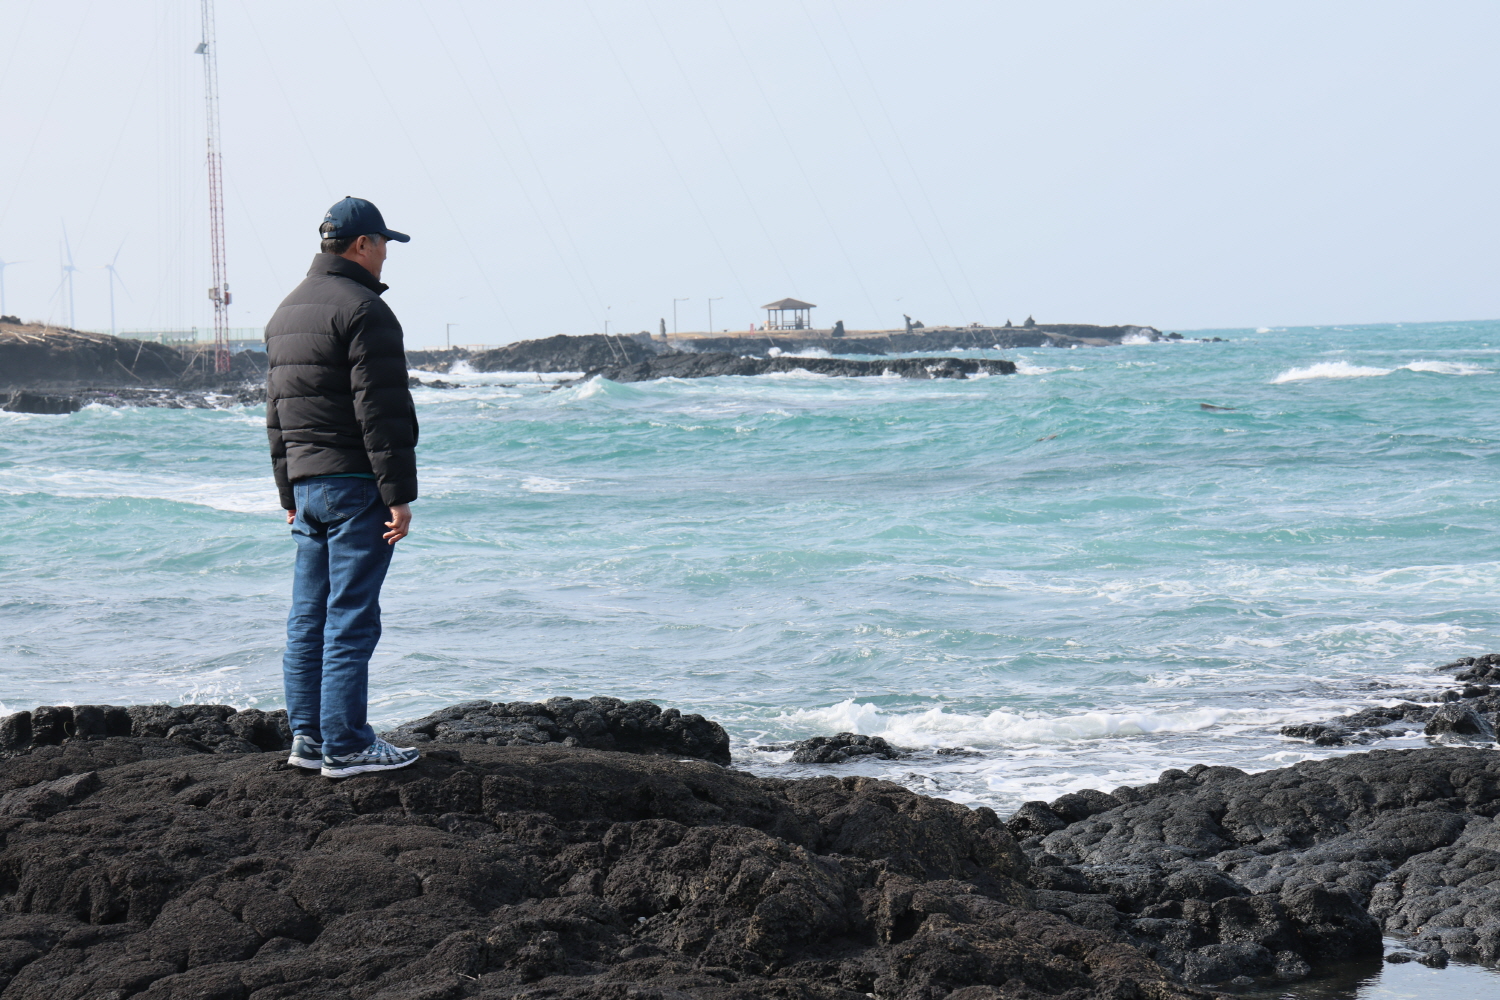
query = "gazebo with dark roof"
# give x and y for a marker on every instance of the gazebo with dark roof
(801, 315)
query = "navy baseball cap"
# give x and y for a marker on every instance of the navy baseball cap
(355, 217)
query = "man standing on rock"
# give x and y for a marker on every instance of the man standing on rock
(343, 445)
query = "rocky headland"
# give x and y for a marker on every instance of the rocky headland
(710, 365)
(597, 353)
(50, 370)
(604, 849)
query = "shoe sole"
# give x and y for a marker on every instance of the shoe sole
(352, 769)
(312, 764)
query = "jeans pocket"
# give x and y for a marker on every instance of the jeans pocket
(344, 498)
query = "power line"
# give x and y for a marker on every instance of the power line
(290, 107)
(910, 165)
(900, 195)
(120, 138)
(728, 160)
(667, 150)
(536, 168)
(436, 188)
(47, 113)
(520, 185)
(792, 150)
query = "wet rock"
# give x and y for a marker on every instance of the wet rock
(1477, 668)
(599, 723)
(684, 364)
(27, 401)
(842, 747)
(1456, 717)
(502, 871)
(1309, 863)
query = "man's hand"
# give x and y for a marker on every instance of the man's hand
(400, 523)
(291, 516)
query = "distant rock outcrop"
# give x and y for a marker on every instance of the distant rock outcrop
(686, 364)
(35, 356)
(561, 354)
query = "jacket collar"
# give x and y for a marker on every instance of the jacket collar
(332, 263)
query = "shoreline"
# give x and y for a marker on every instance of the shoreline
(1206, 878)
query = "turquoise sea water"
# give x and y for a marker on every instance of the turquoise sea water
(1076, 572)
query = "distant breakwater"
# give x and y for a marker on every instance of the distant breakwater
(694, 365)
(46, 370)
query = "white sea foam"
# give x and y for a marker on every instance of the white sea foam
(1343, 369)
(541, 484)
(240, 496)
(1133, 339)
(1329, 369)
(1447, 368)
(937, 727)
(806, 352)
(1024, 367)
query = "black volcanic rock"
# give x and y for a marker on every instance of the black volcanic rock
(37, 357)
(1477, 718)
(27, 401)
(561, 354)
(140, 866)
(841, 747)
(942, 338)
(1459, 718)
(694, 365)
(599, 723)
(1217, 874)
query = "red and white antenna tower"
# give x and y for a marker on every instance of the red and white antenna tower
(219, 293)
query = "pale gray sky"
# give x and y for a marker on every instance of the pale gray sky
(1181, 164)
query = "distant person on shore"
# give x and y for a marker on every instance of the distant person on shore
(343, 445)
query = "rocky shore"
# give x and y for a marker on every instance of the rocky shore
(597, 353)
(182, 858)
(688, 365)
(48, 370)
(604, 849)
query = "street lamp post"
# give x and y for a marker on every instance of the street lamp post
(674, 315)
(711, 302)
(448, 334)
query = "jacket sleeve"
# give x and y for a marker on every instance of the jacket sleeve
(382, 402)
(278, 445)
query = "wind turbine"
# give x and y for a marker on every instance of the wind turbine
(3, 265)
(67, 277)
(113, 276)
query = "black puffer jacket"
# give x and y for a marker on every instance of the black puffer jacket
(336, 395)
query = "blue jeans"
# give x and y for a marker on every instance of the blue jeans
(335, 619)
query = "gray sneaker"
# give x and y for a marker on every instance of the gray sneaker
(306, 753)
(378, 756)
